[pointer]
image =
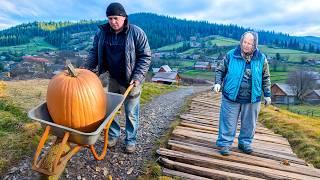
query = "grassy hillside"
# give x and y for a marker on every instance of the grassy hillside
(35, 45)
(171, 47)
(222, 41)
(19, 135)
(305, 109)
(293, 55)
(277, 75)
(197, 74)
(302, 132)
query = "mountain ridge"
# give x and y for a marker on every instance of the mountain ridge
(161, 30)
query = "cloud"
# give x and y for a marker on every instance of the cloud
(299, 17)
(6, 22)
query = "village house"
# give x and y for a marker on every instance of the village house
(313, 97)
(199, 65)
(163, 68)
(166, 78)
(155, 70)
(283, 94)
(165, 75)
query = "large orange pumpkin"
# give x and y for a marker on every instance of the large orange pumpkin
(76, 99)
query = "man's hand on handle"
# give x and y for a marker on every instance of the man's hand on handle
(135, 83)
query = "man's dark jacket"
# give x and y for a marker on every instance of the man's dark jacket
(137, 53)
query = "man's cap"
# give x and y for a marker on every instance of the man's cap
(116, 9)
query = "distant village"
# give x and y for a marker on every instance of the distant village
(47, 64)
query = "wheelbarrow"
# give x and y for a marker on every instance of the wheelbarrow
(61, 151)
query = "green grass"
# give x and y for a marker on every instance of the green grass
(171, 47)
(186, 63)
(222, 41)
(293, 55)
(302, 132)
(149, 90)
(198, 74)
(17, 134)
(35, 45)
(305, 109)
(175, 63)
(190, 51)
(278, 77)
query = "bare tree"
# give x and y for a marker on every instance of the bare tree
(274, 64)
(302, 81)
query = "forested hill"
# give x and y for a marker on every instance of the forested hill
(161, 31)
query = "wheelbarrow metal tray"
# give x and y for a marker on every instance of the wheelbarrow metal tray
(41, 114)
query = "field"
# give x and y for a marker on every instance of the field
(171, 47)
(35, 45)
(305, 109)
(303, 132)
(222, 41)
(278, 77)
(198, 74)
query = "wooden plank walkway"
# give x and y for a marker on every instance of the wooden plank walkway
(192, 153)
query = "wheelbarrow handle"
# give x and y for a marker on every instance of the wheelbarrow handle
(128, 90)
(106, 130)
(104, 150)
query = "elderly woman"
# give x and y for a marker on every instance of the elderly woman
(244, 76)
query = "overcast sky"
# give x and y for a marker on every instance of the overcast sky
(289, 16)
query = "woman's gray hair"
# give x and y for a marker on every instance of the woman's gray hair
(255, 38)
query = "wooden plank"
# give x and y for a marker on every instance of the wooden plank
(264, 153)
(209, 128)
(214, 123)
(172, 173)
(200, 117)
(203, 117)
(213, 138)
(276, 140)
(201, 171)
(195, 140)
(218, 164)
(244, 158)
(215, 119)
(259, 139)
(203, 108)
(195, 105)
(214, 115)
(212, 142)
(258, 136)
(209, 103)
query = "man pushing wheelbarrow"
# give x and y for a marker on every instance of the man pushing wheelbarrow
(122, 50)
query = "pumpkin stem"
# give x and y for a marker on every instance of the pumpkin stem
(71, 69)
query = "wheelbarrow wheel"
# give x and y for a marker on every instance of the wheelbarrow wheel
(48, 160)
